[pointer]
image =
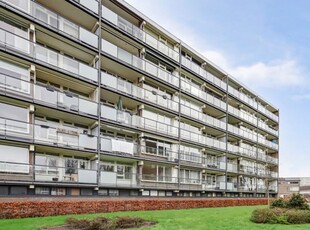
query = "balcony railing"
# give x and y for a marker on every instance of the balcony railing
(47, 94)
(272, 159)
(41, 54)
(138, 33)
(203, 140)
(242, 132)
(241, 151)
(243, 97)
(44, 134)
(134, 121)
(139, 63)
(268, 113)
(247, 169)
(46, 173)
(52, 19)
(264, 126)
(268, 143)
(198, 115)
(194, 90)
(138, 92)
(243, 115)
(231, 167)
(206, 75)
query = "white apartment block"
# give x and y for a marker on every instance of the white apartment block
(97, 99)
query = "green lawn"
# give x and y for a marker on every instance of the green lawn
(207, 218)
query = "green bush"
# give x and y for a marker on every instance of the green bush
(280, 216)
(103, 223)
(278, 203)
(298, 202)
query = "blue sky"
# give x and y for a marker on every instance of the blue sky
(264, 44)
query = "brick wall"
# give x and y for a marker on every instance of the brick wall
(22, 209)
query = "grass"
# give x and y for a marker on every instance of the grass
(206, 218)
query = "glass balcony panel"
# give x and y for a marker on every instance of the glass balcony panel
(44, 15)
(15, 42)
(88, 107)
(90, 4)
(109, 15)
(14, 128)
(137, 62)
(88, 72)
(125, 56)
(150, 40)
(108, 48)
(45, 55)
(88, 37)
(23, 5)
(46, 94)
(108, 112)
(108, 80)
(16, 85)
(66, 100)
(124, 86)
(125, 25)
(151, 68)
(70, 65)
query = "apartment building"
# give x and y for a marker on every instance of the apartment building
(288, 186)
(97, 99)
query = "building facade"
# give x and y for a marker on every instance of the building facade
(288, 186)
(97, 99)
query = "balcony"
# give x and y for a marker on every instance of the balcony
(42, 133)
(232, 167)
(204, 118)
(242, 132)
(47, 95)
(134, 121)
(197, 92)
(264, 126)
(138, 33)
(268, 143)
(242, 115)
(11, 42)
(203, 73)
(244, 169)
(64, 100)
(119, 147)
(42, 173)
(38, 12)
(241, 151)
(203, 140)
(214, 185)
(243, 97)
(269, 114)
(139, 63)
(138, 92)
(272, 159)
(116, 180)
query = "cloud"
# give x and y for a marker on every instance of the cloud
(276, 73)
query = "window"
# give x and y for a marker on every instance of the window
(13, 118)
(103, 192)
(107, 167)
(14, 77)
(124, 172)
(113, 192)
(71, 166)
(46, 164)
(42, 191)
(58, 192)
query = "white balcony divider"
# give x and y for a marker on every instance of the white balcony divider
(41, 54)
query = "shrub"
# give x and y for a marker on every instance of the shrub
(278, 203)
(298, 216)
(263, 215)
(298, 202)
(103, 223)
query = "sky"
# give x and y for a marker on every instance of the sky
(263, 44)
